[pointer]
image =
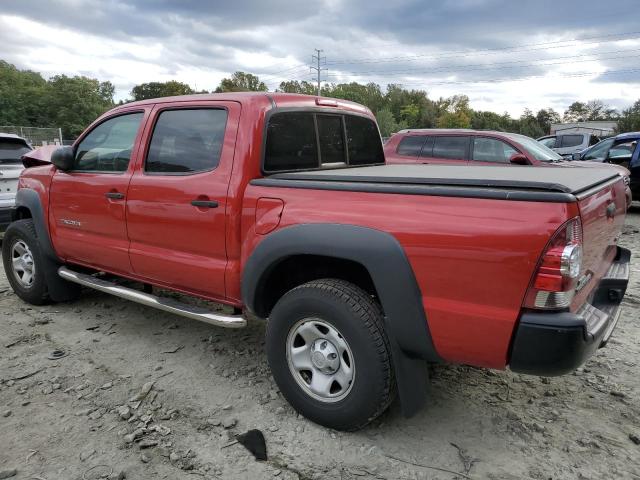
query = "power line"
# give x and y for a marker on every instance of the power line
(489, 66)
(519, 79)
(492, 51)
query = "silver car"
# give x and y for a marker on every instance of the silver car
(12, 147)
(566, 144)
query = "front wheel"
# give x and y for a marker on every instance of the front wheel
(329, 354)
(23, 262)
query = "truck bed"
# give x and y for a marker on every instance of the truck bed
(508, 183)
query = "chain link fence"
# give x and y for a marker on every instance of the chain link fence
(36, 136)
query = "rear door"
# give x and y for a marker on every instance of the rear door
(87, 203)
(178, 196)
(446, 149)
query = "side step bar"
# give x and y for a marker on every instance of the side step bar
(166, 304)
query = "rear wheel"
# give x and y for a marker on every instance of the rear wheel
(329, 354)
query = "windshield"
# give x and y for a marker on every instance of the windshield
(11, 151)
(535, 148)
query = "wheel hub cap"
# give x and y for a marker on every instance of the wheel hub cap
(320, 360)
(324, 356)
(22, 264)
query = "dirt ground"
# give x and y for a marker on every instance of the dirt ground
(75, 417)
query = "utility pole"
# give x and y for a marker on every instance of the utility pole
(318, 59)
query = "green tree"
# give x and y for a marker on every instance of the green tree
(529, 125)
(241, 82)
(294, 86)
(547, 117)
(629, 120)
(171, 88)
(74, 102)
(591, 110)
(455, 112)
(387, 123)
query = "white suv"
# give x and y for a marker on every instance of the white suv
(12, 147)
(566, 144)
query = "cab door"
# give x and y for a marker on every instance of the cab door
(177, 199)
(87, 203)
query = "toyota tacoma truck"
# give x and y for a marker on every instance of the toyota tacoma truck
(281, 206)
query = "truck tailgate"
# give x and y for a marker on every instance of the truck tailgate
(602, 211)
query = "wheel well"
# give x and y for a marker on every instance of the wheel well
(299, 269)
(22, 213)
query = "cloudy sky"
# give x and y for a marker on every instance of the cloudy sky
(504, 54)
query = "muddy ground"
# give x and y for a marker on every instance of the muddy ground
(73, 417)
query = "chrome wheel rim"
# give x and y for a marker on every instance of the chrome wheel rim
(320, 360)
(22, 264)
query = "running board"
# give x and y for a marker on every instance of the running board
(161, 303)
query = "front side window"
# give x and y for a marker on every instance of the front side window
(186, 141)
(107, 148)
(453, 147)
(548, 142)
(571, 140)
(307, 140)
(599, 152)
(411, 146)
(492, 150)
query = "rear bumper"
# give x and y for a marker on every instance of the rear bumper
(555, 343)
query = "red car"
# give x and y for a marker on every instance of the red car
(479, 147)
(281, 205)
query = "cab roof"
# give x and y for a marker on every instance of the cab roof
(275, 99)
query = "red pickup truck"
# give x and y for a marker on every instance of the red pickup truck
(282, 206)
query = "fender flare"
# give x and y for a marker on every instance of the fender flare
(384, 258)
(29, 199)
(59, 289)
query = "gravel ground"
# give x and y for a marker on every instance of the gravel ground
(146, 394)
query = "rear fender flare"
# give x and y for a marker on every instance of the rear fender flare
(385, 260)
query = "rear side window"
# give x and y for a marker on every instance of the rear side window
(291, 142)
(452, 147)
(11, 150)
(410, 146)
(363, 141)
(307, 140)
(186, 141)
(571, 140)
(492, 150)
(107, 148)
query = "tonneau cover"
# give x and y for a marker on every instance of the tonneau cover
(559, 180)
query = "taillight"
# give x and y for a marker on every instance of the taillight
(555, 280)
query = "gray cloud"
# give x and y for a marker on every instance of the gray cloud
(429, 45)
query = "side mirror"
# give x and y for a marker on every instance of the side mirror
(62, 158)
(519, 159)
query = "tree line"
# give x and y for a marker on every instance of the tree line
(28, 99)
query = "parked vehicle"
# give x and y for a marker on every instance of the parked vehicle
(623, 150)
(281, 205)
(12, 147)
(566, 144)
(478, 147)
(466, 147)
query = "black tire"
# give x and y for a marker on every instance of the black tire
(24, 230)
(359, 319)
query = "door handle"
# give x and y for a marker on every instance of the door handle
(114, 195)
(204, 203)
